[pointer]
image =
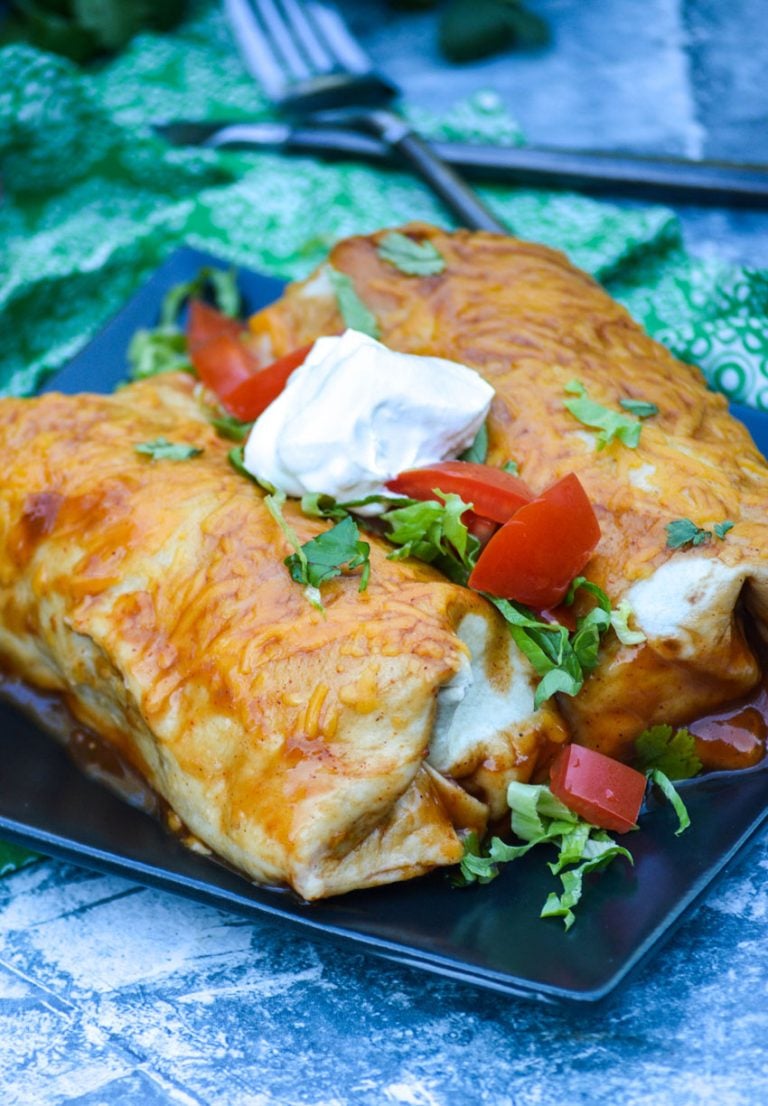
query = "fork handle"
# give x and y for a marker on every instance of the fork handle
(448, 185)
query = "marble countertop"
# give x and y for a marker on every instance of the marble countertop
(116, 995)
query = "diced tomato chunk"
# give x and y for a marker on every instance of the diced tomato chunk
(481, 528)
(217, 349)
(493, 493)
(204, 323)
(598, 788)
(536, 554)
(254, 395)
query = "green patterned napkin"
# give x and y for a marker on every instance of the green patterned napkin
(92, 201)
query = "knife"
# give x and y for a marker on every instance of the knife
(675, 179)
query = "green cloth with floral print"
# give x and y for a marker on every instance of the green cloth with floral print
(92, 201)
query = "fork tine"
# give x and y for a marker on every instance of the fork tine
(348, 52)
(282, 40)
(259, 58)
(308, 35)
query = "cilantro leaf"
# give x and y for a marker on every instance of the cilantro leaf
(162, 450)
(620, 622)
(681, 532)
(351, 308)
(673, 752)
(722, 528)
(326, 556)
(611, 424)
(511, 467)
(409, 256)
(478, 451)
(639, 407)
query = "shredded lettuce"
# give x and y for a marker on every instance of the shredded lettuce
(539, 818)
(620, 622)
(431, 530)
(164, 347)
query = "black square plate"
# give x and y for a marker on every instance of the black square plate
(490, 936)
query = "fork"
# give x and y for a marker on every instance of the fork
(312, 69)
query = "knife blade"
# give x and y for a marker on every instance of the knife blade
(673, 179)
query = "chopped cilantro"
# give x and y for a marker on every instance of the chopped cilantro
(539, 818)
(327, 555)
(351, 308)
(560, 660)
(512, 467)
(409, 256)
(671, 751)
(639, 407)
(683, 532)
(611, 424)
(162, 450)
(478, 451)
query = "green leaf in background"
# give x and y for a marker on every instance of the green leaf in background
(409, 256)
(472, 29)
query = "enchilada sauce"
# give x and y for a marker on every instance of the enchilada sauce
(733, 738)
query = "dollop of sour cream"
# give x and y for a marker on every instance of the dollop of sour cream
(356, 414)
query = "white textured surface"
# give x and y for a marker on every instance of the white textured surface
(112, 994)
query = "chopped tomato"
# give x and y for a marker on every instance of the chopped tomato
(247, 401)
(547, 542)
(493, 493)
(217, 349)
(598, 788)
(204, 323)
(481, 528)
